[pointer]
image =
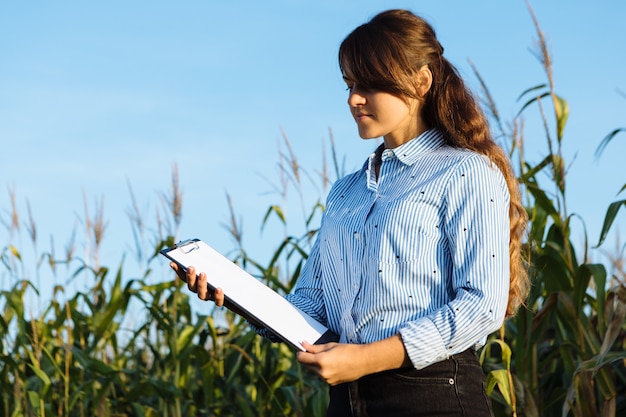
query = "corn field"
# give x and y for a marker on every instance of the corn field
(132, 347)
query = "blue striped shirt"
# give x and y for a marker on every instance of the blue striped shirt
(421, 251)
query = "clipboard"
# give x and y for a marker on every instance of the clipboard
(250, 296)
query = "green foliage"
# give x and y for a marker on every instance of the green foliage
(76, 359)
(568, 346)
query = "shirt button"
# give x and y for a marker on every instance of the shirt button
(356, 235)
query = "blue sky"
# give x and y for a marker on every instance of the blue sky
(97, 94)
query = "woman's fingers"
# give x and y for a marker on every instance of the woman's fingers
(198, 284)
(202, 288)
(205, 293)
(180, 273)
(191, 279)
(219, 297)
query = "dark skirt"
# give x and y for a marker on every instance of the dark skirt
(453, 387)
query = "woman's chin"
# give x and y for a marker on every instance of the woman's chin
(367, 135)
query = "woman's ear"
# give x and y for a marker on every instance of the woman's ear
(424, 80)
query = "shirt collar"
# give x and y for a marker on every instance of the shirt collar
(410, 151)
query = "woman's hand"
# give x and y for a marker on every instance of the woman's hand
(337, 363)
(198, 284)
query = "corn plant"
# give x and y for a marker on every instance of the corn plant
(564, 353)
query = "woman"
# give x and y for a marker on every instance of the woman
(418, 258)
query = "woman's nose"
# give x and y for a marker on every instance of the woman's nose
(355, 99)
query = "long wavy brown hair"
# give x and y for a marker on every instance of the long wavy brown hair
(385, 54)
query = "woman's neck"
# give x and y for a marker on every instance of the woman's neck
(393, 141)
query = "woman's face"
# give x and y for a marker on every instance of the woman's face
(380, 114)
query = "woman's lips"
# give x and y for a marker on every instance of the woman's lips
(360, 116)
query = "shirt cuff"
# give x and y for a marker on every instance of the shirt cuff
(423, 343)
